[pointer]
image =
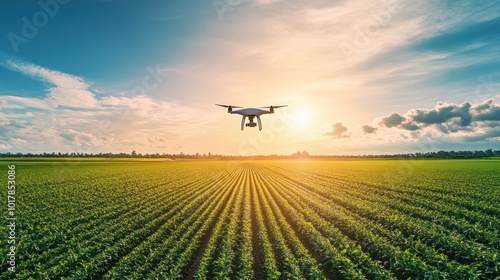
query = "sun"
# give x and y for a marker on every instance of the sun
(302, 118)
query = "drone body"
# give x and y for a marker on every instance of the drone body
(251, 113)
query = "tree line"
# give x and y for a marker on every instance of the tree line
(297, 155)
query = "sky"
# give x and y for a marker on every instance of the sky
(359, 77)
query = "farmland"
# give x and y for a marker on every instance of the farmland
(371, 219)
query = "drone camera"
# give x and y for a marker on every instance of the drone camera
(252, 124)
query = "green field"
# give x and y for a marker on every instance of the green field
(371, 219)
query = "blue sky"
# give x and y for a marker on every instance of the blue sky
(99, 76)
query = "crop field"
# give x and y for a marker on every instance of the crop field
(352, 219)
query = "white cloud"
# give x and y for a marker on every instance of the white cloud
(71, 118)
(66, 90)
(5, 146)
(17, 102)
(465, 122)
(262, 2)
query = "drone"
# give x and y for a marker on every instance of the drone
(251, 113)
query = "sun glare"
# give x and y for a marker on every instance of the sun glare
(302, 119)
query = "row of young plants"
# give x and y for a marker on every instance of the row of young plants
(295, 265)
(462, 255)
(442, 187)
(473, 225)
(368, 268)
(382, 244)
(148, 255)
(43, 230)
(103, 231)
(453, 243)
(268, 260)
(218, 253)
(245, 220)
(179, 254)
(87, 248)
(471, 187)
(478, 225)
(474, 208)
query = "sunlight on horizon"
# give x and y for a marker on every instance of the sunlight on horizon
(303, 118)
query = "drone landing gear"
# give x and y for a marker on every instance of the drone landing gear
(251, 123)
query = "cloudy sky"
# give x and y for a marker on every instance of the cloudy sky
(359, 77)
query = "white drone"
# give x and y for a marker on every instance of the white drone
(251, 113)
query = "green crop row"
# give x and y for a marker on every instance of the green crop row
(377, 219)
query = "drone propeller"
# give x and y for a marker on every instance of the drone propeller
(275, 107)
(271, 108)
(228, 106)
